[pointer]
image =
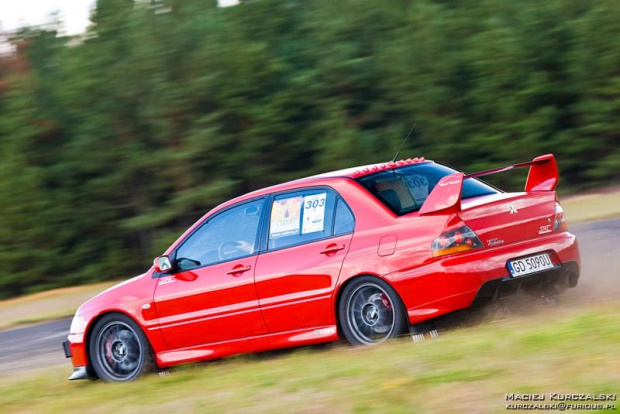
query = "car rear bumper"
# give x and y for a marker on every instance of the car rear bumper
(454, 282)
(544, 283)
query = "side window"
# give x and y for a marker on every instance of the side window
(344, 221)
(301, 217)
(227, 236)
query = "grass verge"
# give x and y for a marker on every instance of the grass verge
(589, 207)
(466, 370)
(49, 305)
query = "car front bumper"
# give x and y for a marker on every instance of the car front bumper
(74, 348)
(79, 373)
(67, 348)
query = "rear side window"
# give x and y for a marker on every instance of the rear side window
(344, 222)
(301, 217)
(405, 189)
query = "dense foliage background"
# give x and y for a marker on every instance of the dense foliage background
(114, 142)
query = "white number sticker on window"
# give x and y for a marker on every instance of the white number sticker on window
(418, 185)
(314, 213)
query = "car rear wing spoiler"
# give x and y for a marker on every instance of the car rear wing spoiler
(446, 196)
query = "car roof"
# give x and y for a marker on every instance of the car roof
(360, 171)
(348, 173)
(353, 172)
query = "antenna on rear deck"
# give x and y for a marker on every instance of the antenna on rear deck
(405, 140)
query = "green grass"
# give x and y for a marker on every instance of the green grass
(596, 206)
(466, 370)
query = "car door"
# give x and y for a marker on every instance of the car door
(211, 296)
(297, 272)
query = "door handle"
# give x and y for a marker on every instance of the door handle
(332, 248)
(238, 269)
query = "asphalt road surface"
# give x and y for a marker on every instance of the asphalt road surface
(32, 347)
(37, 346)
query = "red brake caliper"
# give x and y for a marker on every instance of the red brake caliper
(108, 349)
(386, 301)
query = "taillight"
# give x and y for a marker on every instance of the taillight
(455, 241)
(560, 218)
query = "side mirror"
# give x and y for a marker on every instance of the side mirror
(162, 264)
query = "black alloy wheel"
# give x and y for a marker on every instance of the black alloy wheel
(119, 350)
(371, 312)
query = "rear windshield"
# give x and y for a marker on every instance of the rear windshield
(405, 189)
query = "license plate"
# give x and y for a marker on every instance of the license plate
(529, 265)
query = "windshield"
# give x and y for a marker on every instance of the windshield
(405, 189)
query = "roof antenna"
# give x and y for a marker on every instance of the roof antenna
(405, 140)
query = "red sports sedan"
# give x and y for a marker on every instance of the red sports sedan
(361, 254)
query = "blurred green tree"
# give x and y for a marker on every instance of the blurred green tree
(117, 140)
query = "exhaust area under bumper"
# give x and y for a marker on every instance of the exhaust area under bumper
(545, 283)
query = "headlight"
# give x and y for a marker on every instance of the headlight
(78, 325)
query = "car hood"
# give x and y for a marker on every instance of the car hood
(118, 296)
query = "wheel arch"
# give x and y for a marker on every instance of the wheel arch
(91, 327)
(347, 282)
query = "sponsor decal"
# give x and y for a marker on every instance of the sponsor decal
(545, 229)
(285, 216)
(494, 242)
(445, 183)
(325, 331)
(166, 279)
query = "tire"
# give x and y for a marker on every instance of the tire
(119, 350)
(371, 312)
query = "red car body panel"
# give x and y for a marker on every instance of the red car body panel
(201, 306)
(130, 298)
(300, 281)
(247, 345)
(288, 297)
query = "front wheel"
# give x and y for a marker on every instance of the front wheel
(119, 350)
(371, 312)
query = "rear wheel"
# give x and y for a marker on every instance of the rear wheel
(371, 312)
(119, 350)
